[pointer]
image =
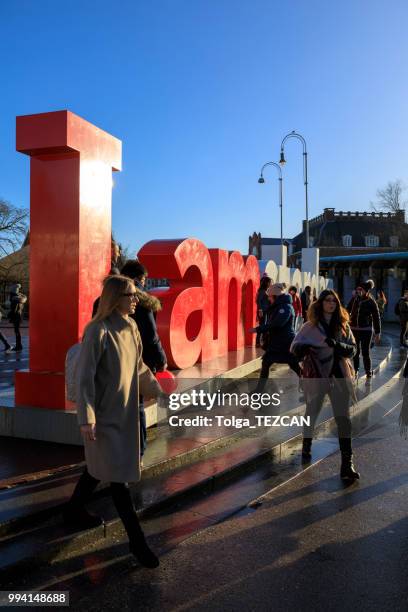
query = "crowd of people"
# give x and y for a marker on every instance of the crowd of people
(321, 341)
(315, 335)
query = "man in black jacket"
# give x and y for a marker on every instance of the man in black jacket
(153, 352)
(279, 328)
(364, 316)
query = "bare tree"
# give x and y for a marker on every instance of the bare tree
(13, 226)
(390, 198)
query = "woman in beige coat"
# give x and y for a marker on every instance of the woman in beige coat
(111, 376)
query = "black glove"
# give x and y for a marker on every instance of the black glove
(330, 342)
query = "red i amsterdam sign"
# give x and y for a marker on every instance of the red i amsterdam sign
(208, 309)
(210, 305)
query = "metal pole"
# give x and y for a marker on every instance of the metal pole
(261, 180)
(282, 157)
(281, 207)
(306, 195)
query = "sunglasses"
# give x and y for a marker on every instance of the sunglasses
(131, 295)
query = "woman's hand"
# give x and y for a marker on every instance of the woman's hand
(88, 432)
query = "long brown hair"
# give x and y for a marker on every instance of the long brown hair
(113, 289)
(340, 316)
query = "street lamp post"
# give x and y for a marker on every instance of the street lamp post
(262, 180)
(282, 161)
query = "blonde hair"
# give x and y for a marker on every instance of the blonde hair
(113, 289)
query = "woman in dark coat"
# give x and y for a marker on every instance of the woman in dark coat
(145, 316)
(326, 345)
(364, 316)
(263, 303)
(110, 377)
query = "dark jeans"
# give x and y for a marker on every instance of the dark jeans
(121, 497)
(4, 341)
(16, 325)
(269, 359)
(143, 428)
(259, 334)
(339, 395)
(403, 330)
(363, 340)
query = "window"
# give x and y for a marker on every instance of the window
(347, 240)
(394, 241)
(372, 241)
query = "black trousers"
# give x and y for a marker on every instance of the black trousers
(16, 325)
(340, 400)
(287, 358)
(4, 341)
(121, 497)
(142, 425)
(269, 359)
(403, 330)
(259, 334)
(363, 341)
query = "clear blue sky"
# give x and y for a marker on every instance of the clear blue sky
(201, 93)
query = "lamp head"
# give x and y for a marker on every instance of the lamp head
(282, 160)
(261, 179)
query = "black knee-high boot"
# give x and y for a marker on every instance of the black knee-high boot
(347, 470)
(75, 513)
(137, 543)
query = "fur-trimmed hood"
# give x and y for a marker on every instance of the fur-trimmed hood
(148, 301)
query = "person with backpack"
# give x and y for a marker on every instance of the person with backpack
(326, 344)
(364, 316)
(401, 310)
(15, 315)
(110, 377)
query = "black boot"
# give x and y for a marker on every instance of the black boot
(347, 470)
(306, 450)
(137, 542)
(75, 513)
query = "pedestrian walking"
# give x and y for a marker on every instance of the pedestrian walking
(297, 306)
(278, 333)
(364, 316)
(381, 303)
(263, 303)
(326, 345)
(306, 300)
(145, 317)
(15, 315)
(401, 310)
(111, 375)
(3, 339)
(403, 417)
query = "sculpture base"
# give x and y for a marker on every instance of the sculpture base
(41, 389)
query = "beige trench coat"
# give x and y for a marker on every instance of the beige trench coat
(111, 375)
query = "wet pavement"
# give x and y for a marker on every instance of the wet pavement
(197, 495)
(308, 543)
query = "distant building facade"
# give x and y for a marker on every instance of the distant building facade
(381, 238)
